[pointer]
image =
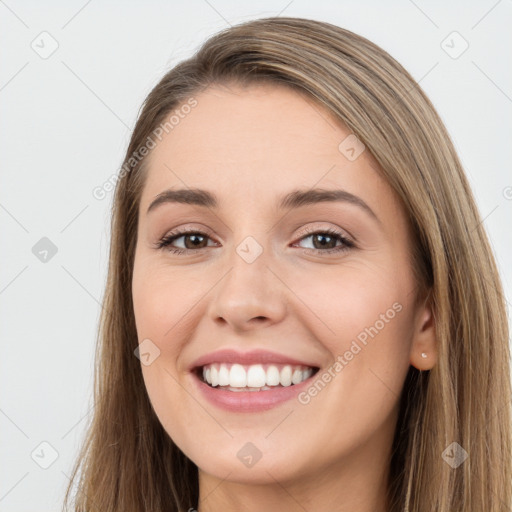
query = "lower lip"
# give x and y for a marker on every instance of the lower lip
(250, 401)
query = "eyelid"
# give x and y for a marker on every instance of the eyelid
(308, 230)
(189, 228)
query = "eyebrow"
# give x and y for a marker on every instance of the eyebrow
(294, 199)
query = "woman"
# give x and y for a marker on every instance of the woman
(302, 310)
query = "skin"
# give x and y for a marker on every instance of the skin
(250, 146)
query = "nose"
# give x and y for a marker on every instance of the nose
(249, 296)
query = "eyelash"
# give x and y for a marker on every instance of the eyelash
(171, 237)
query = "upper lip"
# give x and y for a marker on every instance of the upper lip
(247, 358)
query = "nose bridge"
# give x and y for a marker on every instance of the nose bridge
(249, 289)
(249, 273)
(250, 245)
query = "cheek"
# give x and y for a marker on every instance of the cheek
(366, 316)
(164, 307)
(163, 302)
(357, 301)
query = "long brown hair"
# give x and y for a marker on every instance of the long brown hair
(129, 463)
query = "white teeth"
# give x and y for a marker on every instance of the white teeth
(286, 376)
(272, 376)
(296, 376)
(237, 376)
(223, 375)
(214, 375)
(256, 377)
(307, 373)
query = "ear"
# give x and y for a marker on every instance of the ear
(423, 354)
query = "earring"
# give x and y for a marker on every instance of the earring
(424, 355)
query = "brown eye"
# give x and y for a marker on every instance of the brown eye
(196, 241)
(326, 241)
(192, 240)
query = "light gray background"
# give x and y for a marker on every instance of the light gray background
(66, 122)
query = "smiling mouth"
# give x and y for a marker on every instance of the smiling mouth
(254, 377)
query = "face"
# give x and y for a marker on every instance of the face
(311, 305)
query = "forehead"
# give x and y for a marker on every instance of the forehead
(259, 141)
